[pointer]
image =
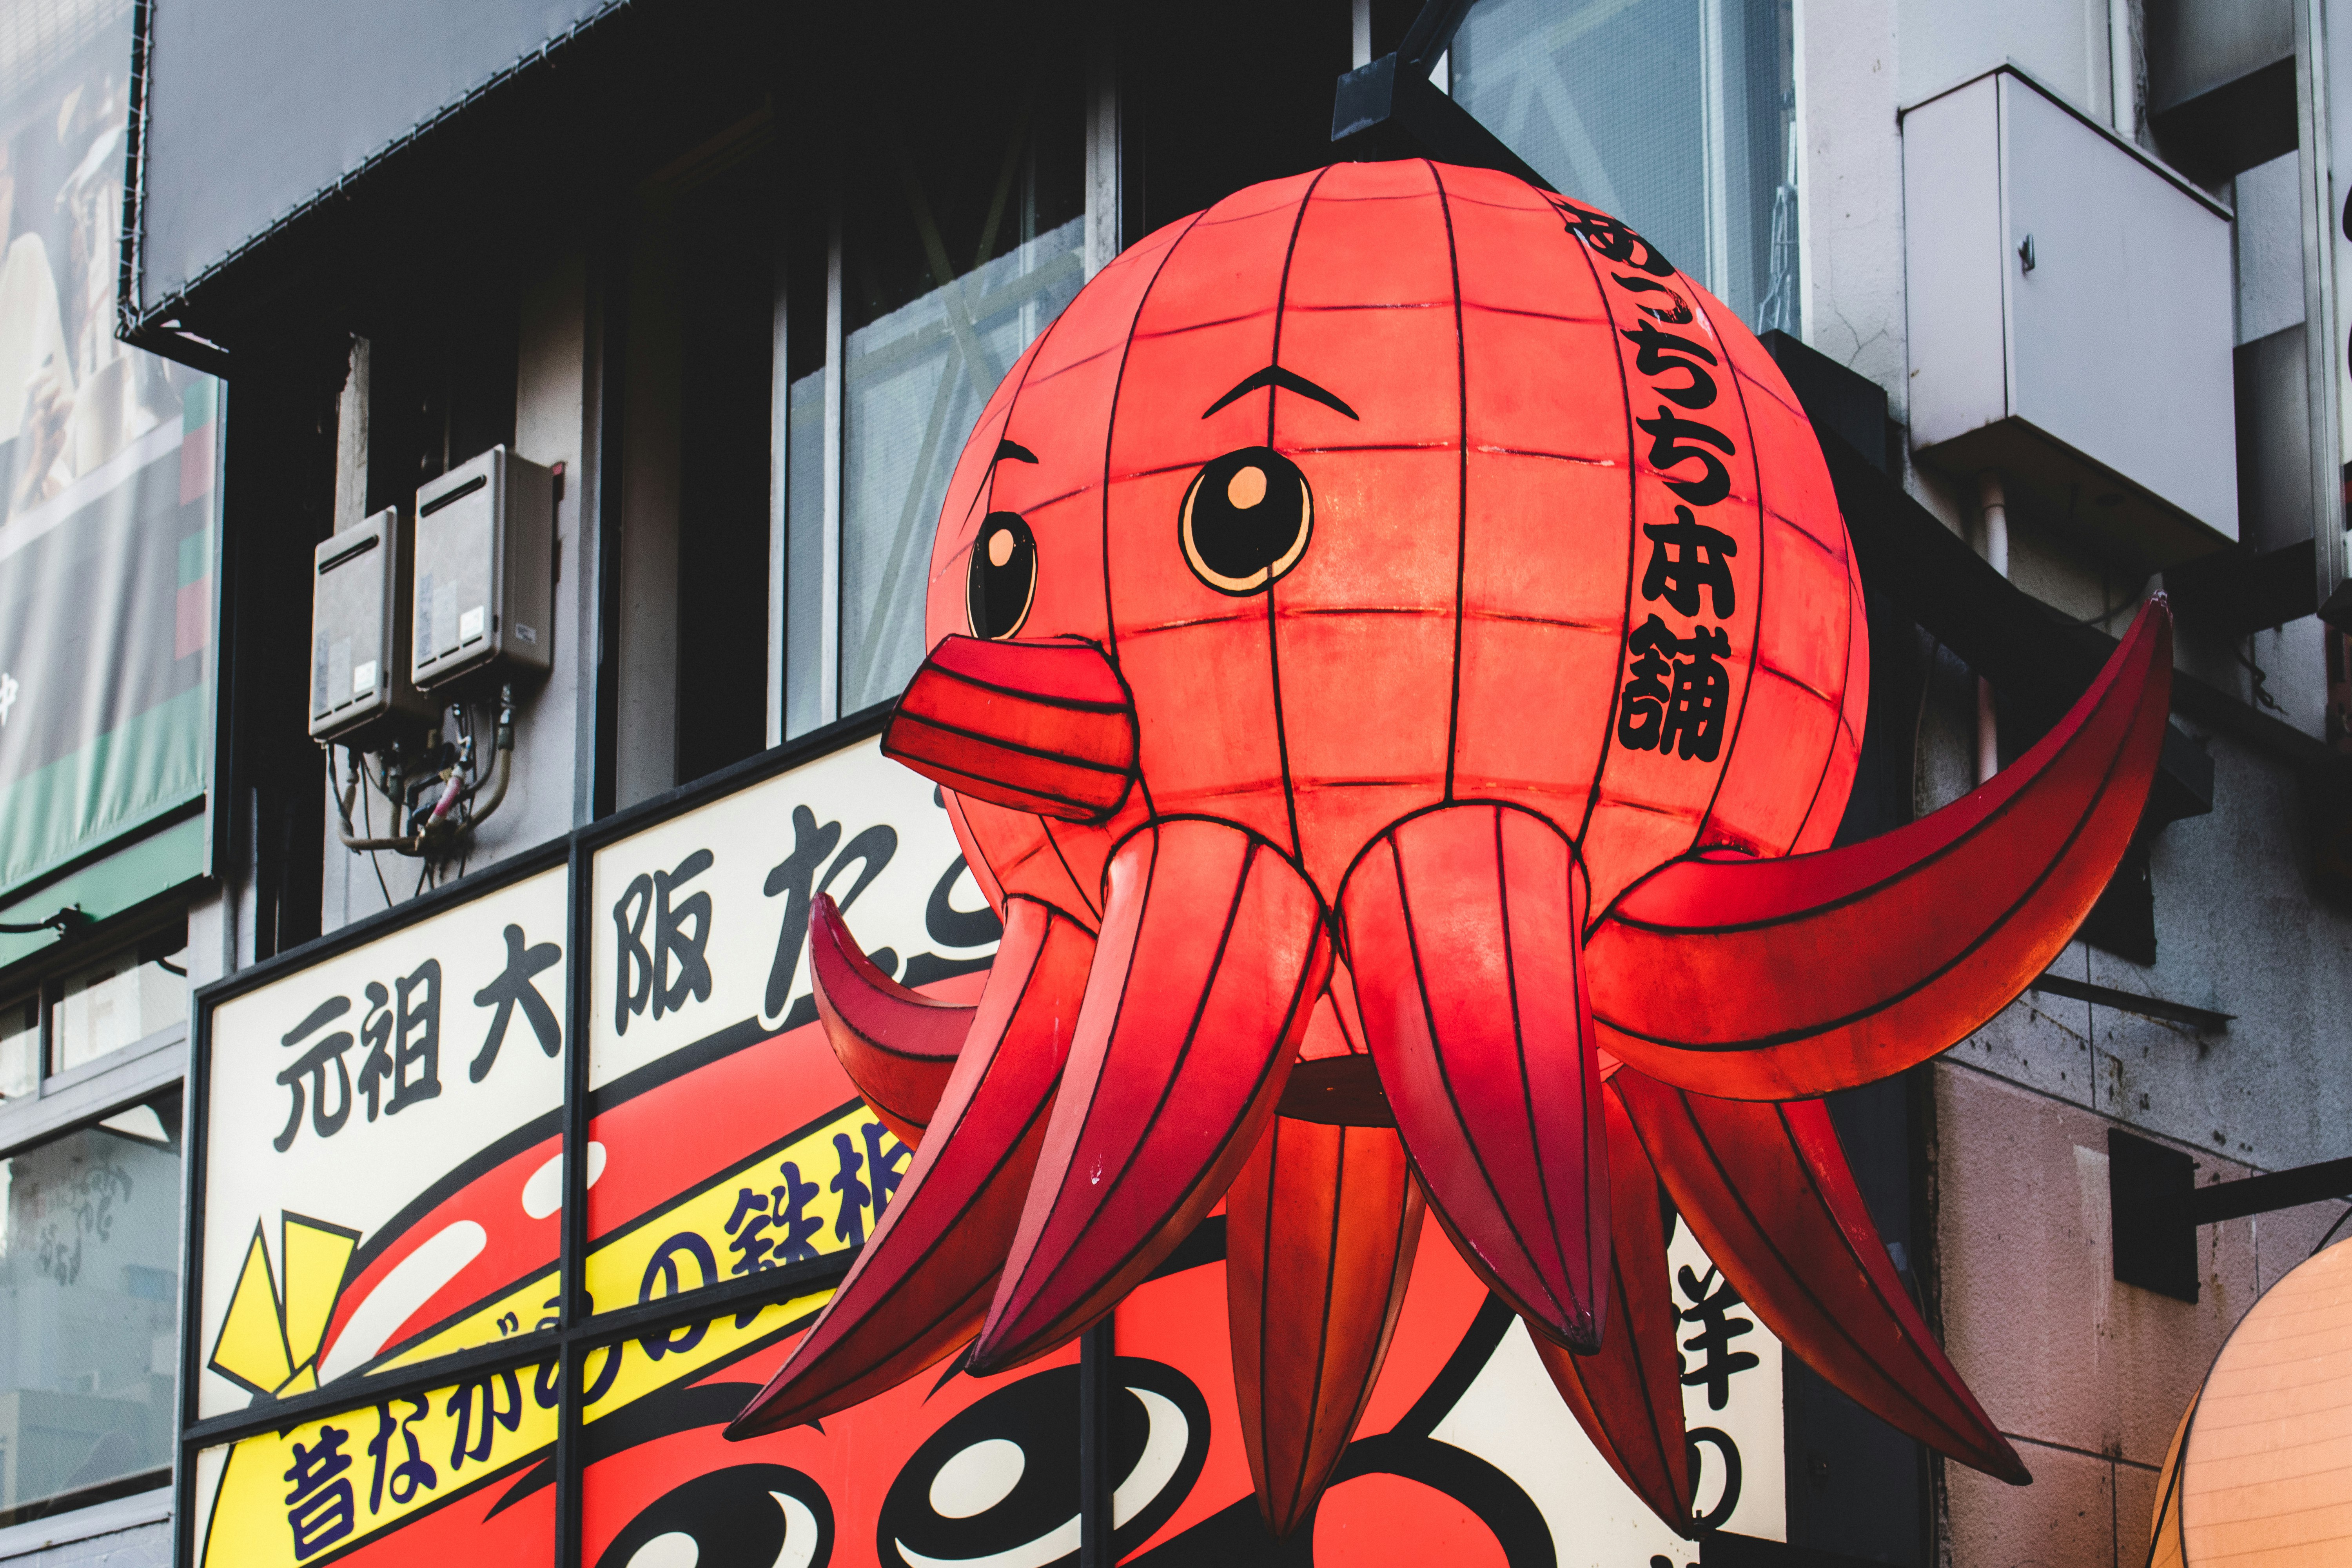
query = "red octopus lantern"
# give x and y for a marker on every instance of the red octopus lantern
(1399, 670)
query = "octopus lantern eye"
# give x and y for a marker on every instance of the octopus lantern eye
(1245, 520)
(1004, 580)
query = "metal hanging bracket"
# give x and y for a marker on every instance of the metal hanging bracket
(2157, 1205)
(1390, 109)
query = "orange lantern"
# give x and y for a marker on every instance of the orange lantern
(2260, 1471)
(1398, 669)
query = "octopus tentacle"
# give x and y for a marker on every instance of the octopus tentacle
(1781, 979)
(1628, 1397)
(1213, 950)
(922, 1284)
(898, 1046)
(1766, 1190)
(1320, 1227)
(1462, 933)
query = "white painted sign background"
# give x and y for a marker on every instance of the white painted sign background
(724, 881)
(1513, 1417)
(369, 1168)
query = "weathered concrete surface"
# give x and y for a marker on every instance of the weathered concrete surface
(2241, 928)
(2087, 1376)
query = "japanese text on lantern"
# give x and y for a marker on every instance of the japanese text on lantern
(1677, 693)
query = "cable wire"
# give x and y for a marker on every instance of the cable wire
(367, 828)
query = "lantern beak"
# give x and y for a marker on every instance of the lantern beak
(1044, 727)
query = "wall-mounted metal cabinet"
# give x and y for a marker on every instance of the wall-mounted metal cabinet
(359, 631)
(485, 540)
(2069, 319)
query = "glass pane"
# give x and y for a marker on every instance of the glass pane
(804, 555)
(916, 380)
(20, 1048)
(123, 1000)
(953, 261)
(89, 1268)
(1674, 115)
(807, 343)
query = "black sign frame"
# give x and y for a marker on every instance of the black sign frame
(578, 1332)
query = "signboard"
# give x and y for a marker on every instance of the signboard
(700, 1014)
(702, 921)
(1465, 1453)
(381, 1189)
(107, 467)
(381, 1170)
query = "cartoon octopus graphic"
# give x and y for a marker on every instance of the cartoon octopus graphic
(1398, 669)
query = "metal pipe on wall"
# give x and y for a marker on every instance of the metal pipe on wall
(1994, 546)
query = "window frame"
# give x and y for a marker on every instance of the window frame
(62, 1105)
(63, 1100)
(78, 955)
(1107, 226)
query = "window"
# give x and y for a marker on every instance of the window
(822, 297)
(20, 1048)
(119, 1001)
(93, 1009)
(723, 222)
(954, 238)
(1677, 116)
(89, 1257)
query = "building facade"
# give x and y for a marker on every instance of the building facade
(469, 484)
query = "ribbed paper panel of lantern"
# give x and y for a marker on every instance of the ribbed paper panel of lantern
(2259, 1472)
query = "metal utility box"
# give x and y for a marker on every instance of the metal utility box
(2070, 303)
(359, 631)
(485, 568)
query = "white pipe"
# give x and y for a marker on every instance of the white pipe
(1994, 505)
(2123, 72)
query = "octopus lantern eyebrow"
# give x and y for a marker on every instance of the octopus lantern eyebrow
(1289, 381)
(1015, 450)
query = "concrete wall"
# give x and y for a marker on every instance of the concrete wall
(2087, 1377)
(2063, 44)
(2239, 929)
(1849, 255)
(555, 715)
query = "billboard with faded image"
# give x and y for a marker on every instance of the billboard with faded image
(107, 471)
